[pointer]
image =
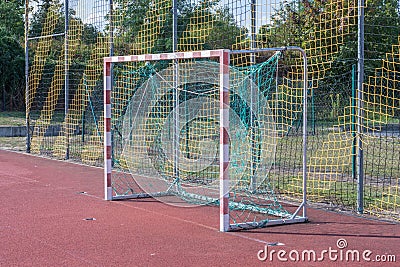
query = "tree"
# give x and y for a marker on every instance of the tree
(295, 23)
(11, 71)
(12, 54)
(39, 16)
(54, 10)
(12, 17)
(223, 34)
(312, 24)
(292, 24)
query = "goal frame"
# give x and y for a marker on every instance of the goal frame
(300, 215)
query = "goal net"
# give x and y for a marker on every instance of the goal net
(200, 128)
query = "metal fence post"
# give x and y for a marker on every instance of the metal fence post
(176, 91)
(66, 76)
(360, 108)
(27, 107)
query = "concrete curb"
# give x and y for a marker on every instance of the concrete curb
(20, 131)
(12, 131)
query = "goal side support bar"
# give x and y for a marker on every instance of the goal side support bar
(303, 206)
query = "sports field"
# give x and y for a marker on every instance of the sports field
(53, 214)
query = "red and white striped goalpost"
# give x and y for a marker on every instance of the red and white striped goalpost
(107, 130)
(223, 57)
(224, 141)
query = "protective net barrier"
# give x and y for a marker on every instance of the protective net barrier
(351, 121)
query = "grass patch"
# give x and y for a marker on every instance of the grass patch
(13, 143)
(340, 193)
(17, 118)
(12, 118)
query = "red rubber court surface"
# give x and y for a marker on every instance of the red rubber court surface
(47, 221)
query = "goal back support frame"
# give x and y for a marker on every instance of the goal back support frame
(223, 57)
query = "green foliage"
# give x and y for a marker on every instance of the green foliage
(39, 16)
(12, 118)
(223, 34)
(382, 29)
(296, 23)
(292, 24)
(11, 55)
(225, 31)
(84, 51)
(11, 17)
(128, 28)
